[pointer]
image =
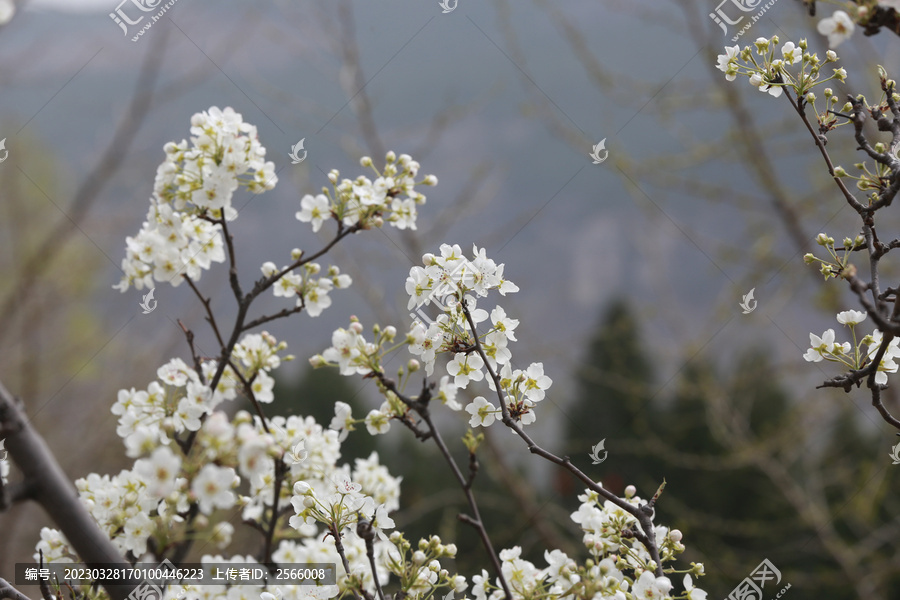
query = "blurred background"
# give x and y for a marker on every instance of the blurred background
(631, 271)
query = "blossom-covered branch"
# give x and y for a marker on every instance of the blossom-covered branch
(870, 358)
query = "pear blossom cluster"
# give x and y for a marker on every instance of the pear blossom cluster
(181, 397)
(451, 285)
(858, 354)
(770, 74)
(232, 464)
(193, 190)
(619, 568)
(310, 291)
(197, 465)
(365, 203)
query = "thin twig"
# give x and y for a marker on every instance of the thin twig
(649, 537)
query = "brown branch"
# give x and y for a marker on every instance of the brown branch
(280, 469)
(646, 523)
(8, 591)
(420, 406)
(53, 490)
(210, 317)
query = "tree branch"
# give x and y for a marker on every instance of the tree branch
(53, 490)
(8, 591)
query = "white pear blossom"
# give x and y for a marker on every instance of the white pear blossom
(343, 420)
(727, 62)
(650, 586)
(851, 317)
(483, 412)
(838, 27)
(314, 209)
(692, 592)
(212, 487)
(159, 471)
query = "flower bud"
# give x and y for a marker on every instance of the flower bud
(630, 491)
(296, 253)
(390, 157)
(418, 557)
(809, 258)
(390, 332)
(365, 161)
(412, 366)
(268, 268)
(430, 180)
(428, 259)
(840, 172)
(309, 502)
(675, 535)
(333, 176)
(317, 361)
(810, 97)
(831, 55)
(356, 327)
(301, 488)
